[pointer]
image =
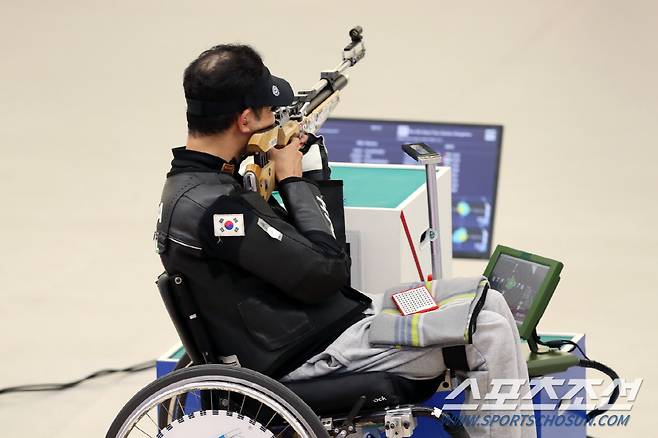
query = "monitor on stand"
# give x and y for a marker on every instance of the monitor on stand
(471, 151)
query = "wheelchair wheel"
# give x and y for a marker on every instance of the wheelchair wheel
(211, 401)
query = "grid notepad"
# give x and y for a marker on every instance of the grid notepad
(416, 300)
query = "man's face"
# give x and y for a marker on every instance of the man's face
(253, 120)
(264, 118)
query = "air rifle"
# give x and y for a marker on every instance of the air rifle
(308, 112)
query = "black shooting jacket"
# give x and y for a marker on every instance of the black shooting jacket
(270, 283)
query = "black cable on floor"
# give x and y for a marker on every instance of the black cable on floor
(613, 376)
(588, 363)
(61, 386)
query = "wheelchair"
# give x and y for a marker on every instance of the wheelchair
(204, 397)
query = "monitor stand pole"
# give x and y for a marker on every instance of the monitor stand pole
(427, 156)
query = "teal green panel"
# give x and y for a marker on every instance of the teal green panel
(373, 187)
(177, 354)
(547, 338)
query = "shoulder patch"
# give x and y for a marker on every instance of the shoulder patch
(228, 225)
(270, 230)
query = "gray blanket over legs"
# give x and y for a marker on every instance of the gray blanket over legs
(495, 352)
(459, 300)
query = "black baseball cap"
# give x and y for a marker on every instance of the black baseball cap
(269, 90)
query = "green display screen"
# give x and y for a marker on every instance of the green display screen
(527, 282)
(519, 281)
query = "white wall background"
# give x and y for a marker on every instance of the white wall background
(91, 102)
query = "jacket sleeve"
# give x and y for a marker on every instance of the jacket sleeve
(301, 258)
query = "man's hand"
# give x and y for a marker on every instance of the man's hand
(287, 160)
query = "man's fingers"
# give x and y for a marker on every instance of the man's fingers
(295, 142)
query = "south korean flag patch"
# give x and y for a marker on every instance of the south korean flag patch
(228, 225)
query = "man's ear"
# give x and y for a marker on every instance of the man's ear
(243, 122)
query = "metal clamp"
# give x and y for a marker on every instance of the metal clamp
(330, 75)
(399, 423)
(446, 383)
(328, 424)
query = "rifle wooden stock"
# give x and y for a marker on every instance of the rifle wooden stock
(278, 136)
(260, 143)
(308, 112)
(265, 177)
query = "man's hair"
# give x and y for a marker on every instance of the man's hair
(224, 72)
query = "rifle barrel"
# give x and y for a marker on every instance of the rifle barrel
(327, 91)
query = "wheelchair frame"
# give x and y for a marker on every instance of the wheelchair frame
(399, 421)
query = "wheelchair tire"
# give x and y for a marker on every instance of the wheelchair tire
(204, 375)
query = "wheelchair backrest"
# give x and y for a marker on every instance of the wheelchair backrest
(183, 313)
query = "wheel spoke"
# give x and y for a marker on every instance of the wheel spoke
(284, 429)
(166, 417)
(268, 423)
(258, 412)
(168, 407)
(149, 416)
(148, 435)
(182, 409)
(244, 398)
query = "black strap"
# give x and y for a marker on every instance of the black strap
(198, 331)
(203, 108)
(455, 358)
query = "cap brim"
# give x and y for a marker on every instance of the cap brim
(285, 94)
(270, 91)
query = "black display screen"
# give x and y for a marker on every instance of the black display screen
(471, 151)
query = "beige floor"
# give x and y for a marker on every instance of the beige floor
(88, 339)
(90, 102)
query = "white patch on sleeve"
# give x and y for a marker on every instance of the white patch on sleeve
(323, 207)
(228, 225)
(269, 229)
(312, 159)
